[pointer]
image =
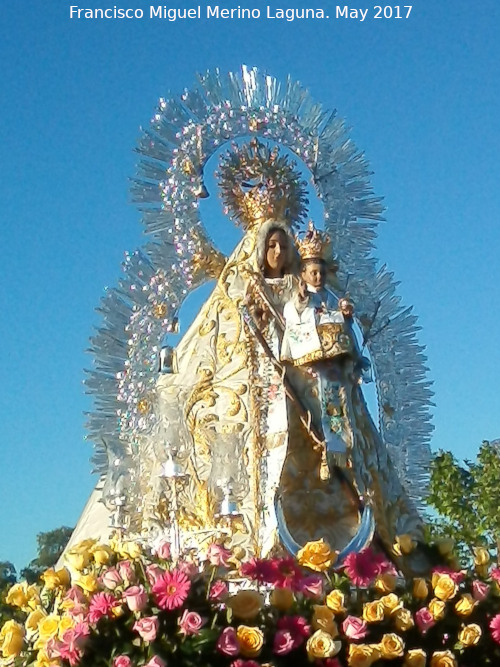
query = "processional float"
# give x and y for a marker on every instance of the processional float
(182, 438)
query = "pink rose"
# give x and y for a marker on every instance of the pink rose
(189, 569)
(218, 591)
(136, 598)
(163, 550)
(111, 579)
(122, 661)
(283, 642)
(218, 555)
(75, 594)
(153, 573)
(354, 627)
(156, 661)
(244, 663)
(147, 628)
(190, 622)
(126, 570)
(480, 590)
(312, 586)
(425, 620)
(228, 644)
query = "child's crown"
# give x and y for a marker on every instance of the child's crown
(314, 244)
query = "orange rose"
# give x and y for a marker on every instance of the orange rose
(445, 588)
(363, 655)
(443, 659)
(322, 645)
(437, 609)
(465, 606)
(403, 620)
(373, 612)
(251, 640)
(392, 646)
(416, 657)
(335, 602)
(282, 598)
(317, 556)
(420, 588)
(246, 604)
(323, 620)
(470, 635)
(385, 583)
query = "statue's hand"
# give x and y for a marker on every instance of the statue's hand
(346, 307)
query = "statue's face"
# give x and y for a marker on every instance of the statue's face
(313, 273)
(276, 252)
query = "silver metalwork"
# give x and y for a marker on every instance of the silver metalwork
(184, 132)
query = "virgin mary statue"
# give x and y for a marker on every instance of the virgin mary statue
(235, 448)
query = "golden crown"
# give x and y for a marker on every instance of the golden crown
(314, 244)
(259, 184)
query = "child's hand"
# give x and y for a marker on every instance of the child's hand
(346, 307)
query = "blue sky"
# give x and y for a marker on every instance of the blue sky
(422, 96)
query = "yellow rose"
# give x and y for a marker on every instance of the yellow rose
(322, 645)
(34, 618)
(390, 602)
(437, 609)
(11, 639)
(482, 571)
(445, 545)
(101, 553)
(251, 640)
(43, 660)
(392, 646)
(465, 605)
(443, 659)
(420, 588)
(445, 588)
(87, 582)
(317, 556)
(53, 579)
(416, 657)
(373, 612)
(17, 595)
(246, 604)
(470, 635)
(403, 620)
(404, 545)
(33, 595)
(65, 623)
(481, 556)
(77, 559)
(335, 602)
(385, 583)
(363, 655)
(48, 626)
(323, 620)
(131, 549)
(282, 598)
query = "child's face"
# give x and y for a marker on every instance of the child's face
(313, 273)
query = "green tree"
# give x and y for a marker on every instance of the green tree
(50, 546)
(8, 576)
(467, 499)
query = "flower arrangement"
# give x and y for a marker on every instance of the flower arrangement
(120, 606)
